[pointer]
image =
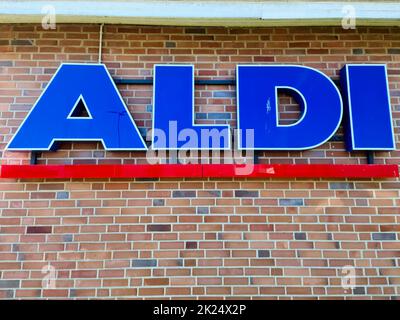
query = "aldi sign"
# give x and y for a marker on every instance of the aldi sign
(364, 105)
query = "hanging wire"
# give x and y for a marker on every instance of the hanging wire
(100, 41)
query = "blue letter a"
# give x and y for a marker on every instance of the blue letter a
(50, 119)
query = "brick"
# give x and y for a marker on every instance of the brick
(21, 42)
(184, 194)
(158, 202)
(341, 185)
(300, 236)
(246, 194)
(191, 245)
(9, 284)
(359, 290)
(143, 263)
(291, 202)
(394, 51)
(159, 227)
(201, 116)
(224, 94)
(156, 282)
(383, 236)
(263, 253)
(219, 116)
(358, 51)
(62, 195)
(38, 229)
(202, 210)
(72, 293)
(67, 237)
(170, 44)
(195, 30)
(5, 63)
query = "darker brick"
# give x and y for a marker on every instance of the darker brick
(6, 63)
(158, 202)
(219, 115)
(202, 210)
(359, 290)
(184, 194)
(224, 94)
(291, 202)
(98, 154)
(143, 132)
(159, 227)
(195, 30)
(383, 236)
(191, 245)
(337, 137)
(170, 44)
(394, 51)
(21, 42)
(38, 229)
(62, 195)
(4, 42)
(141, 263)
(358, 51)
(9, 284)
(201, 116)
(67, 237)
(300, 236)
(72, 293)
(318, 51)
(264, 59)
(246, 194)
(341, 185)
(263, 253)
(49, 70)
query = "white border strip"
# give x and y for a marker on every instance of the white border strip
(245, 13)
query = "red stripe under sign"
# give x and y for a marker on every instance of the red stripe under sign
(199, 171)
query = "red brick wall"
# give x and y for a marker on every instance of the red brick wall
(193, 238)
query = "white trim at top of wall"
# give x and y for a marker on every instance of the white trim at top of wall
(200, 12)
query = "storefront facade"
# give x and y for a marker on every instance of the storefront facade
(195, 237)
